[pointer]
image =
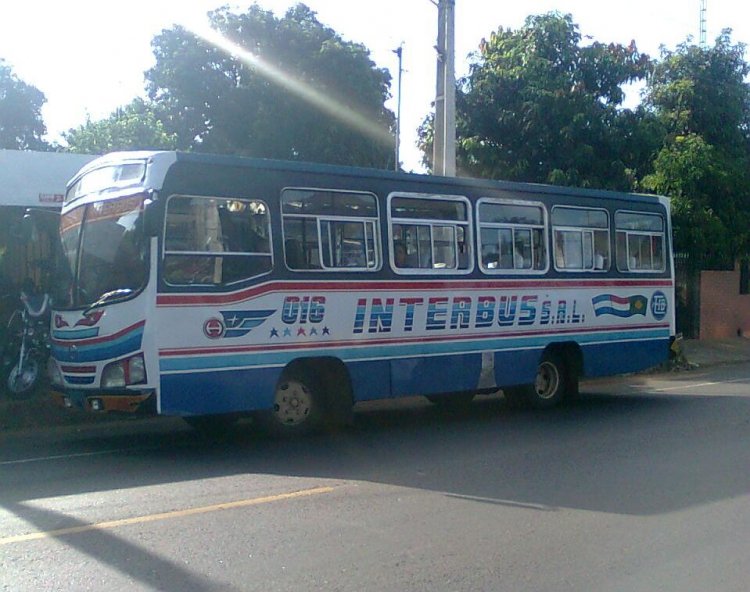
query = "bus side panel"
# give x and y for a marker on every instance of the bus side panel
(514, 367)
(203, 393)
(370, 380)
(608, 359)
(435, 374)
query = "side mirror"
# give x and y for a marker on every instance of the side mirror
(152, 224)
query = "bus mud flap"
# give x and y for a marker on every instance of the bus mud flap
(487, 375)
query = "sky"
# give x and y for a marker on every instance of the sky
(89, 56)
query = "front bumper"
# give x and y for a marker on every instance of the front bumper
(125, 401)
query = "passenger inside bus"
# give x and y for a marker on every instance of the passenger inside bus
(399, 254)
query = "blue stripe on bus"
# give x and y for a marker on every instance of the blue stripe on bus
(607, 359)
(79, 379)
(76, 334)
(130, 342)
(280, 358)
(248, 389)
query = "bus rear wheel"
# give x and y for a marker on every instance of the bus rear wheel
(550, 385)
(297, 404)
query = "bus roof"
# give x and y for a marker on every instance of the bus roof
(164, 159)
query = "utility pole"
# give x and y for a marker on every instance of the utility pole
(399, 52)
(702, 23)
(444, 142)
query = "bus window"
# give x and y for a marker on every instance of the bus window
(581, 239)
(215, 241)
(330, 230)
(511, 236)
(640, 241)
(429, 233)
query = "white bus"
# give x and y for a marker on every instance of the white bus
(212, 287)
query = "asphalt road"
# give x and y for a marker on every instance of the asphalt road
(642, 485)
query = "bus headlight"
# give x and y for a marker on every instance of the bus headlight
(136, 370)
(124, 372)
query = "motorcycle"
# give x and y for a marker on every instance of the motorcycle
(27, 345)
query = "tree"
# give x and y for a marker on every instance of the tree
(21, 124)
(689, 170)
(701, 97)
(538, 106)
(702, 90)
(301, 93)
(133, 127)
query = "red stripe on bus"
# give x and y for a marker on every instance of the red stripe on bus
(348, 286)
(394, 341)
(78, 369)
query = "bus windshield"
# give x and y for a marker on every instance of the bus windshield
(104, 249)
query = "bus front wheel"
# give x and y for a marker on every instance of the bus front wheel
(297, 404)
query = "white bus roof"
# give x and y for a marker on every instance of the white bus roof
(37, 178)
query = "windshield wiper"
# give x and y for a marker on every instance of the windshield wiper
(108, 297)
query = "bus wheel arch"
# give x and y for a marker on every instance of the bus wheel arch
(571, 355)
(311, 393)
(556, 380)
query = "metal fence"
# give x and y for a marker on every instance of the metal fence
(687, 295)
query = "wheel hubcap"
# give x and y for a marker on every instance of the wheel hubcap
(547, 380)
(293, 403)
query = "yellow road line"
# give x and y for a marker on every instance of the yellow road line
(164, 515)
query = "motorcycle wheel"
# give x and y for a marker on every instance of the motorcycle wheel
(21, 381)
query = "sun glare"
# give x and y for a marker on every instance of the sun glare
(323, 102)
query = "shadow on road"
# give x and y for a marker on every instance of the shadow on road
(634, 454)
(625, 454)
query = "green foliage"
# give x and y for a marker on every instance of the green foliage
(700, 96)
(690, 171)
(133, 127)
(295, 98)
(538, 106)
(703, 90)
(21, 124)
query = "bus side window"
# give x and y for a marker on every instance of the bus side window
(433, 231)
(399, 254)
(640, 241)
(330, 230)
(581, 238)
(215, 241)
(512, 236)
(295, 258)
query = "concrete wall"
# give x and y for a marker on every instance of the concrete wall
(724, 311)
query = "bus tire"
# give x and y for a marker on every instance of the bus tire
(549, 388)
(572, 385)
(550, 385)
(298, 404)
